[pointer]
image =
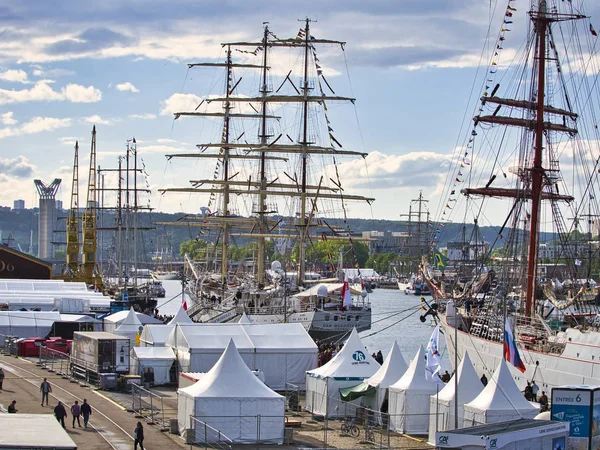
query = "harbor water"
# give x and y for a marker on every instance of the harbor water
(395, 316)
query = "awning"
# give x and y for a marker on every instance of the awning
(353, 392)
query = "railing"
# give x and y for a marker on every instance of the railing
(208, 435)
(150, 406)
(54, 361)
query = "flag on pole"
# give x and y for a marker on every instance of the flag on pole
(433, 356)
(346, 296)
(511, 352)
(184, 301)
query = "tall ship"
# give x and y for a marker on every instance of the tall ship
(529, 161)
(275, 187)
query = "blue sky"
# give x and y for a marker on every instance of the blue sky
(67, 65)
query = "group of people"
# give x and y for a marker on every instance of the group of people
(531, 394)
(326, 352)
(77, 410)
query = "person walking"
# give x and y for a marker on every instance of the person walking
(138, 435)
(60, 413)
(1, 377)
(45, 389)
(12, 408)
(75, 411)
(86, 412)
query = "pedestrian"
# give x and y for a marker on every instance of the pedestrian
(138, 435)
(528, 392)
(60, 413)
(45, 389)
(75, 410)
(445, 377)
(484, 380)
(1, 377)
(86, 412)
(534, 391)
(12, 408)
(544, 402)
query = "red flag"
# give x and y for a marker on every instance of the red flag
(184, 302)
(593, 31)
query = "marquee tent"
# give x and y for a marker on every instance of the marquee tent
(155, 335)
(391, 370)
(282, 351)
(349, 367)
(112, 322)
(158, 360)
(409, 398)
(24, 324)
(500, 400)
(230, 399)
(442, 407)
(130, 327)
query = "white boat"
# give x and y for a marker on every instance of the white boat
(555, 328)
(260, 182)
(166, 275)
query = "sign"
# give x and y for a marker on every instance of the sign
(125, 296)
(575, 405)
(358, 356)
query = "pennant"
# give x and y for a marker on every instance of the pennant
(593, 31)
(433, 356)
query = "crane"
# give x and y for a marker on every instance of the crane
(71, 270)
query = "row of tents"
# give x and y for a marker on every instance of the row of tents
(417, 403)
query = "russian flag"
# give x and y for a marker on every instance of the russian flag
(184, 301)
(511, 352)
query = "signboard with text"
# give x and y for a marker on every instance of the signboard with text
(577, 405)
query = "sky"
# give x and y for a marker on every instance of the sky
(121, 66)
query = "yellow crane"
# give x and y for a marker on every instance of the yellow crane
(71, 269)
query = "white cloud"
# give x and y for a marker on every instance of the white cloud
(68, 140)
(18, 167)
(41, 91)
(166, 141)
(97, 120)
(179, 102)
(146, 116)
(127, 86)
(36, 125)
(40, 71)
(15, 76)
(7, 118)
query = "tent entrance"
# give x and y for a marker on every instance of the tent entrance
(353, 392)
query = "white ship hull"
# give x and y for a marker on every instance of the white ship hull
(166, 275)
(322, 324)
(579, 363)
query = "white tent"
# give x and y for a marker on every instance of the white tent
(155, 335)
(349, 367)
(130, 327)
(409, 398)
(156, 359)
(181, 317)
(244, 319)
(282, 351)
(499, 401)
(24, 324)
(391, 370)
(442, 406)
(112, 322)
(230, 399)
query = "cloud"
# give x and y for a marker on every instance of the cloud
(41, 91)
(381, 171)
(91, 39)
(7, 118)
(146, 116)
(36, 125)
(97, 120)
(166, 141)
(179, 102)
(18, 167)
(68, 140)
(127, 86)
(15, 76)
(39, 71)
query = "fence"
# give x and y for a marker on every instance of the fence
(150, 406)
(257, 429)
(54, 361)
(208, 435)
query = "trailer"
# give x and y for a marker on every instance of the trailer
(95, 352)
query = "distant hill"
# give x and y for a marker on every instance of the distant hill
(19, 225)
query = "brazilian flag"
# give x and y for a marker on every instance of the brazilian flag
(440, 260)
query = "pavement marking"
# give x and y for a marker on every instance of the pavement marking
(110, 400)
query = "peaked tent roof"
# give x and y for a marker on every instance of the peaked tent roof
(153, 352)
(501, 393)
(352, 362)
(469, 384)
(415, 377)
(391, 370)
(180, 317)
(244, 319)
(130, 324)
(230, 377)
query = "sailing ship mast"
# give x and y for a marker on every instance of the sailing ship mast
(269, 149)
(536, 180)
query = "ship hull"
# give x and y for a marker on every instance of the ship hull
(578, 364)
(322, 324)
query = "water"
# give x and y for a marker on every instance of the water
(395, 317)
